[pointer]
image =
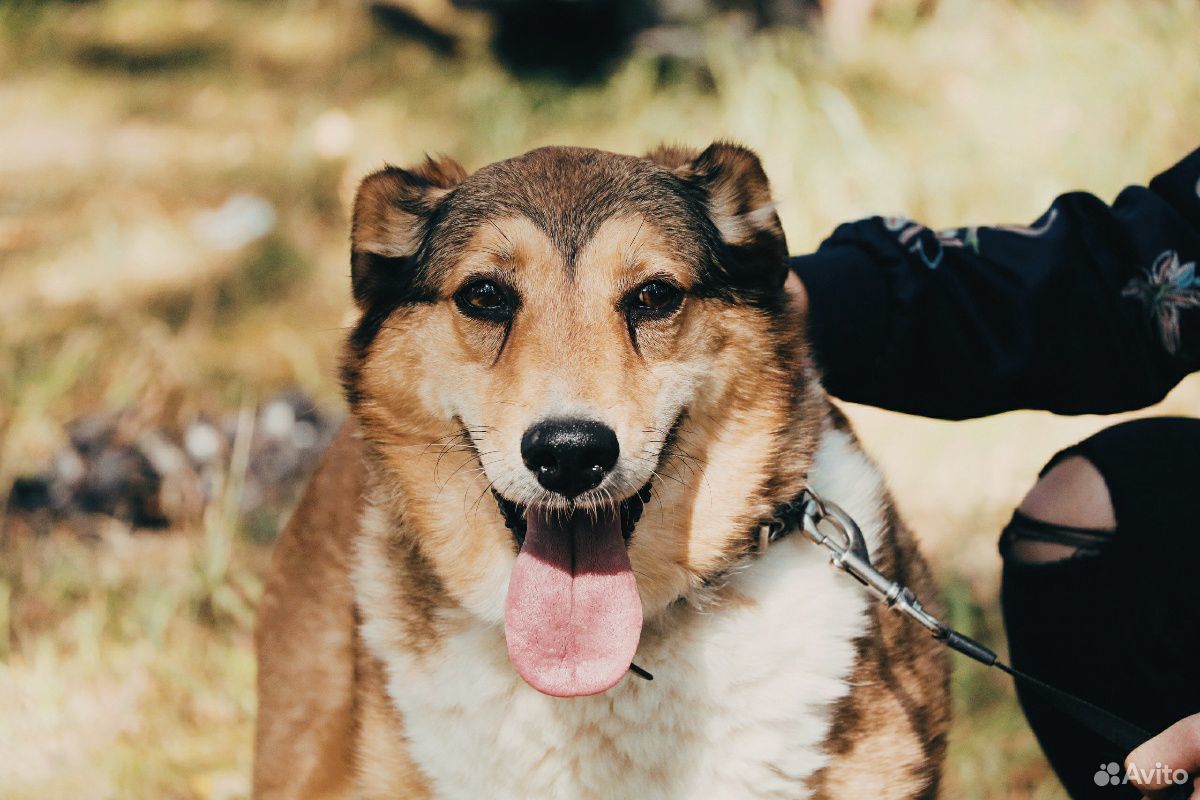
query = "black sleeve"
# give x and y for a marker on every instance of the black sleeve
(1091, 309)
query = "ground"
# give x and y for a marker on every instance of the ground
(174, 182)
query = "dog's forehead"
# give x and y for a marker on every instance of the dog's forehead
(568, 193)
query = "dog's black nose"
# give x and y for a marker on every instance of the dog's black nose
(570, 456)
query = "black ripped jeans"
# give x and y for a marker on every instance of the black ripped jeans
(1119, 622)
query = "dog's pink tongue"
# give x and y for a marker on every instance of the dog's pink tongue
(573, 617)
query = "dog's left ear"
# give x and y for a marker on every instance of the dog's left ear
(737, 196)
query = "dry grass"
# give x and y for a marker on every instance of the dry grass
(127, 668)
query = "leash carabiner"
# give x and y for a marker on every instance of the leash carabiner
(852, 556)
(849, 552)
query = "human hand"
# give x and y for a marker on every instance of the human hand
(1175, 749)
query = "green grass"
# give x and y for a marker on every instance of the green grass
(127, 668)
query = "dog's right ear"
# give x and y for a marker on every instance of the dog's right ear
(392, 211)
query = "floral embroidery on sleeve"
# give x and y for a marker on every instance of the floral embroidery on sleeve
(930, 246)
(926, 244)
(1036, 229)
(1168, 287)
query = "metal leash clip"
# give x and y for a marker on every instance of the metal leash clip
(809, 511)
(850, 555)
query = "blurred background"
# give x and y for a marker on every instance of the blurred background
(174, 186)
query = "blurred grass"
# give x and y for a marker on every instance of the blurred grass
(126, 669)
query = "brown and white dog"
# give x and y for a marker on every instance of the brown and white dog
(577, 386)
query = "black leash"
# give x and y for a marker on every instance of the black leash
(808, 511)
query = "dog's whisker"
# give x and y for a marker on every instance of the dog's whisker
(427, 445)
(669, 458)
(475, 505)
(666, 477)
(502, 233)
(463, 465)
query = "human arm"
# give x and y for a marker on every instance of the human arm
(1091, 309)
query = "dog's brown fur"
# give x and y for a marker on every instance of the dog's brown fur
(590, 226)
(307, 640)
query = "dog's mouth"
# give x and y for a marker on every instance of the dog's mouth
(516, 516)
(573, 616)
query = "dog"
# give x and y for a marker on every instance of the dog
(577, 388)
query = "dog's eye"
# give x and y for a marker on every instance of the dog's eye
(484, 299)
(657, 297)
(484, 295)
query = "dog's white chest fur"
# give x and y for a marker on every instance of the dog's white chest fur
(739, 706)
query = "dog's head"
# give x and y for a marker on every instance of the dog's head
(602, 344)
